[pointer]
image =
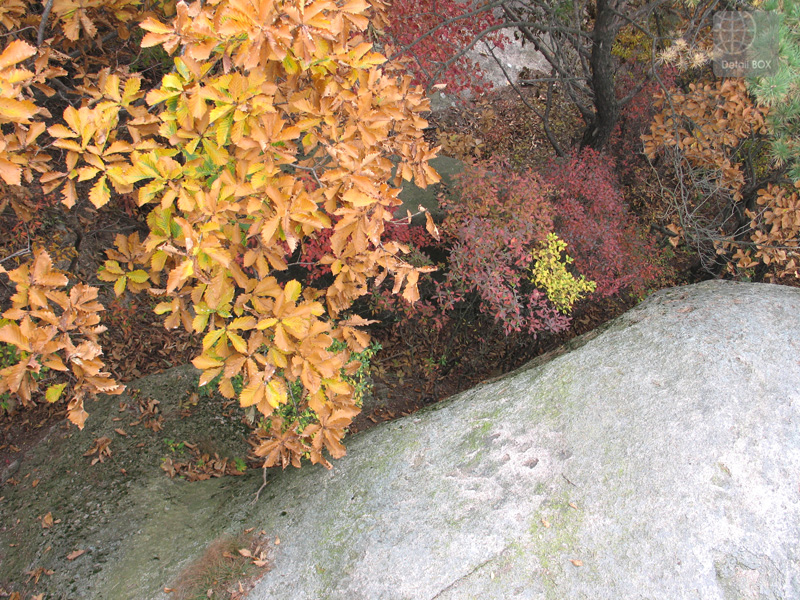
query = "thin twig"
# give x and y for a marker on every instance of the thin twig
(22, 252)
(43, 25)
(263, 485)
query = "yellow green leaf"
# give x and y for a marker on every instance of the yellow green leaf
(292, 290)
(100, 194)
(205, 362)
(119, 285)
(138, 276)
(54, 392)
(212, 337)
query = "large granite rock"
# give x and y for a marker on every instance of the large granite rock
(659, 458)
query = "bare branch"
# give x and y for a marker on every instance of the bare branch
(43, 25)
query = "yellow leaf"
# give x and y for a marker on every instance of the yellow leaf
(298, 326)
(337, 386)
(60, 131)
(111, 87)
(292, 290)
(204, 362)
(100, 194)
(251, 395)
(138, 276)
(16, 52)
(18, 111)
(276, 393)
(212, 337)
(119, 285)
(54, 392)
(208, 376)
(244, 323)
(86, 173)
(267, 323)
(237, 342)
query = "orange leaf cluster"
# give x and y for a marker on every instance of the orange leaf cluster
(775, 232)
(56, 331)
(278, 122)
(706, 129)
(706, 125)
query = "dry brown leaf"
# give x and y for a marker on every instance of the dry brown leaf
(576, 562)
(75, 554)
(47, 521)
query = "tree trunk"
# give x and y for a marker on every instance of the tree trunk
(606, 26)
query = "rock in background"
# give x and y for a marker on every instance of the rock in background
(414, 196)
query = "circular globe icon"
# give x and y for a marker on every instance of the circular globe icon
(733, 31)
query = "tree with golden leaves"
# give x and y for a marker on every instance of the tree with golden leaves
(278, 121)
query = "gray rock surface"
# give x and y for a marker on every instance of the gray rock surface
(413, 196)
(661, 455)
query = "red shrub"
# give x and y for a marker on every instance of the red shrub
(450, 31)
(626, 142)
(494, 221)
(592, 217)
